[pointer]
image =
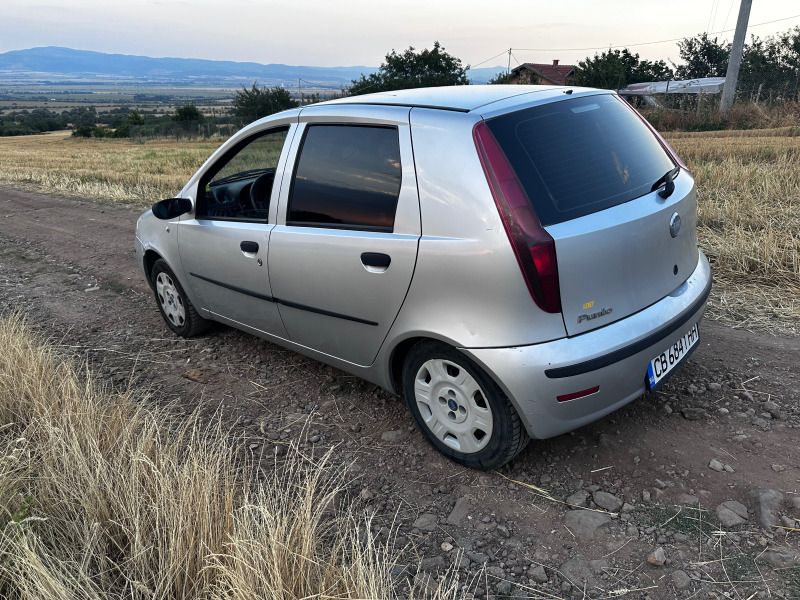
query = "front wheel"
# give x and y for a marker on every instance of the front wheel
(174, 304)
(461, 411)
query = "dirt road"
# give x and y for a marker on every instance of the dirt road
(724, 430)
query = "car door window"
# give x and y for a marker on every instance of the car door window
(347, 177)
(238, 187)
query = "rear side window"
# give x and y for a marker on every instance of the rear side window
(578, 156)
(347, 177)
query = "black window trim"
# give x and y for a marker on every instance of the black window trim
(340, 226)
(224, 160)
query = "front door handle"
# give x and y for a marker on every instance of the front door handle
(375, 262)
(249, 247)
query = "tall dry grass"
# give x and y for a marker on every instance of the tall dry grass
(743, 116)
(749, 222)
(104, 497)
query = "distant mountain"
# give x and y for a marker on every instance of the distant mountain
(82, 64)
(65, 63)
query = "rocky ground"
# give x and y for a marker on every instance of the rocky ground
(689, 492)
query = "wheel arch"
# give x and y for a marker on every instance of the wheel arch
(149, 259)
(400, 351)
(403, 347)
(398, 358)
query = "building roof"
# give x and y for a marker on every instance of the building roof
(554, 73)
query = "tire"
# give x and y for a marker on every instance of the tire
(457, 406)
(173, 303)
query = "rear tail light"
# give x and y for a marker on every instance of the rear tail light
(533, 246)
(659, 137)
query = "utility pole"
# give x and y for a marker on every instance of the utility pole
(508, 72)
(735, 60)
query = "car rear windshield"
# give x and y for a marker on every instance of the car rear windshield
(578, 156)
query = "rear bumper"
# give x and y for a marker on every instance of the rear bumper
(614, 357)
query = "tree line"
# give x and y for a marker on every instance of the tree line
(773, 61)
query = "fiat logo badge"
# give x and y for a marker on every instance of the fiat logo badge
(675, 225)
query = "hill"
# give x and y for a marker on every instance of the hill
(54, 63)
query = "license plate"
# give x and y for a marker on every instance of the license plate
(665, 362)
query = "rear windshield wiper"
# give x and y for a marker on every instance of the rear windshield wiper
(666, 181)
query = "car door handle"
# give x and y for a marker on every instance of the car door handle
(376, 262)
(249, 247)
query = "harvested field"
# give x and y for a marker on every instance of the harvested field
(118, 171)
(749, 221)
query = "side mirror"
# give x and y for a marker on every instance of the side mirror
(171, 208)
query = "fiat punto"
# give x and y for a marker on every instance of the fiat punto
(517, 261)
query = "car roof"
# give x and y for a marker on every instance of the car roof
(461, 98)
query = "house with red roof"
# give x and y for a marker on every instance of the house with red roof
(542, 74)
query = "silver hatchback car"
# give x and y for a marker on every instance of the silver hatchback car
(517, 261)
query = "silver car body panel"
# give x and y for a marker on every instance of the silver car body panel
(467, 289)
(160, 237)
(620, 260)
(227, 281)
(223, 279)
(482, 98)
(331, 301)
(453, 276)
(521, 371)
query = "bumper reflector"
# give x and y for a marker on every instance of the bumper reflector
(575, 395)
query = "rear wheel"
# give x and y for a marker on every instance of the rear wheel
(174, 304)
(461, 411)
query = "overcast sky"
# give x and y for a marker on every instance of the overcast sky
(361, 32)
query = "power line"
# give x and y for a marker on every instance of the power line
(639, 44)
(716, 10)
(487, 60)
(725, 24)
(711, 14)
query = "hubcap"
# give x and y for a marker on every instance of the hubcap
(170, 300)
(453, 406)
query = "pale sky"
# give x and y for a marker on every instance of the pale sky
(360, 32)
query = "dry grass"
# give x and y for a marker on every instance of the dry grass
(748, 190)
(102, 498)
(107, 170)
(744, 116)
(749, 222)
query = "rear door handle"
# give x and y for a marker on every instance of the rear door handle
(249, 247)
(376, 262)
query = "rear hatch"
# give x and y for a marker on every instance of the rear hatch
(593, 170)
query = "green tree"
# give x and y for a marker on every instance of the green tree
(134, 118)
(501, 78)
(770, 66)
(614, 69)
(187, 113)
(702, 57)
(411, 69)
(254, 103)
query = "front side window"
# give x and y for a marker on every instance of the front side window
(347, 177)
(239, 186)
